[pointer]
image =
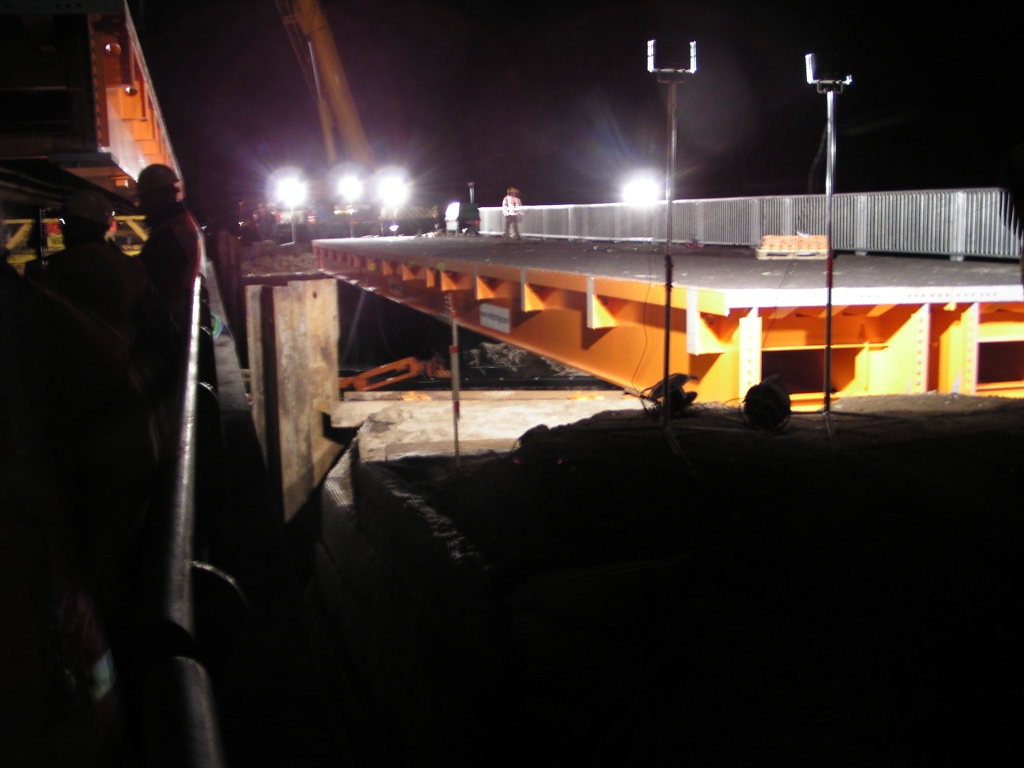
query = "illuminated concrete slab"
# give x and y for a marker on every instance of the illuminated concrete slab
(711, 267)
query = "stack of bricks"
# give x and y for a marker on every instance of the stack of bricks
(793, 247)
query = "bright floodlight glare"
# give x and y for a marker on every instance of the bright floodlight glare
(350, 188)
(393, 191)
(291, 191)
(641, 191)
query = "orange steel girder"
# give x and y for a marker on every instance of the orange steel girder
(112, 126)
(606, 327)
(613, 329)
(981, 348)
(129, 123)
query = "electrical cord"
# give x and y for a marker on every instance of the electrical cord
(643, 351)
(771, 325)
(817, 161)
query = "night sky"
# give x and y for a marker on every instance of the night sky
(557, 100)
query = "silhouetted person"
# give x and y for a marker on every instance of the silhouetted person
(76, 462)
(91, 270)
(173, 251)
(111, 356)
(266, 225)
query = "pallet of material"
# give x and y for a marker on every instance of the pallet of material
(793, 247)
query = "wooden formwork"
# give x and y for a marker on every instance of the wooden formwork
(292, 335)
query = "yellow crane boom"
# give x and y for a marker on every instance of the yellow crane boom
(314, 46)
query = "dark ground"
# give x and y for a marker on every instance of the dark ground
(849, 602)
(853, 599)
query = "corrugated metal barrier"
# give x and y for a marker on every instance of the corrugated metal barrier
(957, 223)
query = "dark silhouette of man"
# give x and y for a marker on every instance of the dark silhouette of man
(173, 253)
(91, 271)
(78, 457)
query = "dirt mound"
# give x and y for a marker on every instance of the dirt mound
(855, 591)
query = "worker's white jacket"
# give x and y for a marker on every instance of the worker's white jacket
(511, 205)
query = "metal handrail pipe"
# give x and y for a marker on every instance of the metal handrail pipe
(166, 610)
(181, 723)
(179, 716)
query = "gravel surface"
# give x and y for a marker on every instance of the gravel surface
(265, 259)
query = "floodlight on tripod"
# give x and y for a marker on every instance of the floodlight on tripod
(671, 62)
(827, 74)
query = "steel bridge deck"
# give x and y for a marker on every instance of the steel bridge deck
(900, 324)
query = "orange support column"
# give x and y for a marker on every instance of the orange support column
(954, 331)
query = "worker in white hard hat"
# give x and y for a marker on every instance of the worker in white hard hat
(512, 208)
(173, 253)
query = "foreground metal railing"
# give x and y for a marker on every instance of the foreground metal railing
(957, 223)
(178, 717)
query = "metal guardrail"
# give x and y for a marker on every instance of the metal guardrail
(179, 717)
(957, 223)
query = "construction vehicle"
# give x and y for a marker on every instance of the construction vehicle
(321, 65)
(463, 218)
(318, 57)
(317, 53)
